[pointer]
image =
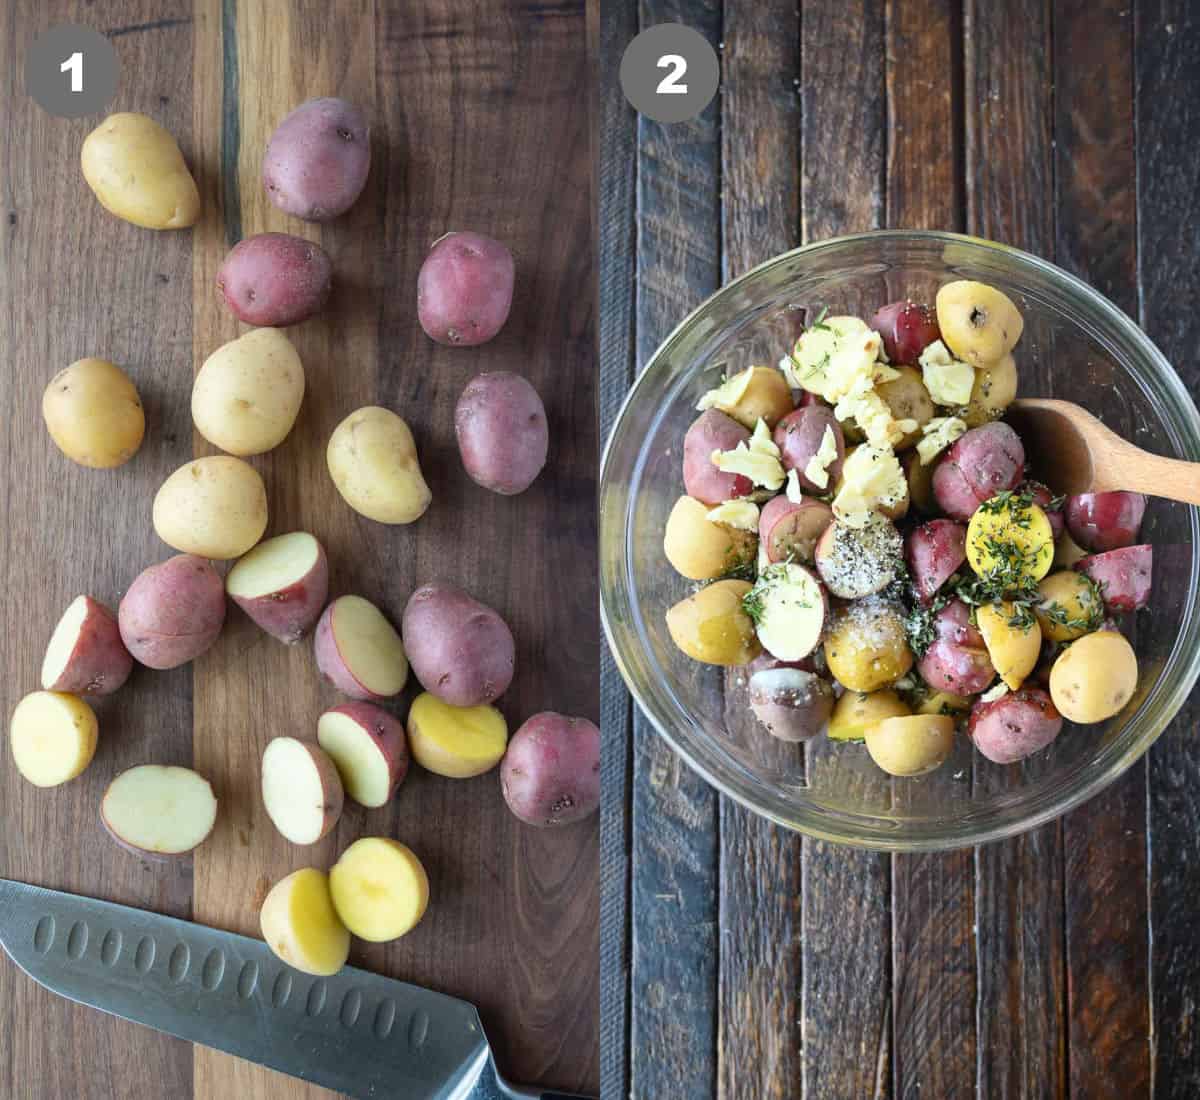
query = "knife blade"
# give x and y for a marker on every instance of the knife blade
(358, 1033)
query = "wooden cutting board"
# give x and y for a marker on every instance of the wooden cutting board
(480, 120)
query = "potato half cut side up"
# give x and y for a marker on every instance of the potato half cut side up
(359, 651)
(380, 889)
(369, 749)
(282, 584)
(159, 810)
(53, 737)
(85, 653)
(301, 789)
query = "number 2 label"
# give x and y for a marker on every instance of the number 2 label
(669, 85)
(74, 65)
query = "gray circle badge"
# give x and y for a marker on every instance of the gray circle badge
(71, 71)
(669, 72)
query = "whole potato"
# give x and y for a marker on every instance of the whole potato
(460, 649)
(712, 431)
(172, 612)
(911, 745)
(1094, 677)
(500, 424)
(867, 645)
(372, 459)
(791, 704)
(983, 462)
(957, 660)
(93, 414)
(1014, 726)
(756, 393)
(712, 627)
(317, 160)
(798, 437)
(979, 323)
(700, 549)
(215, 507)
(135, 168)
(550, 774)
(465, 289)
(248, 394)
(275, 279)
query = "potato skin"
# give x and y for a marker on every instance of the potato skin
(979, 323)
(790, 703)
(94, 414)
(460, 649)
(317, 160)
(172, 612)
(958, 661)
(503, 438)
(712, 431)
(702, 550)
(372, 459)
(1074, 599)
(981, 463)
(274, 279)
(712, 627)
(465, 289)
(766, 396)
(1124, 576)
(248, 393)
(856, 711)
(1014, 726)
(289, 613)
(215, 507)
(550, 774)
(134, 167)
(99, 663)
(934, 551)
(908, 399)
(910, 745)
(789, 529)
(798, 437)
(1094, 677)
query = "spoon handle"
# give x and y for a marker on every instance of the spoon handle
(1156, 476)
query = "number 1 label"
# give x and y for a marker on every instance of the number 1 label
(74, 65)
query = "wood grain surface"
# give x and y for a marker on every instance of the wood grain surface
(480, 119)
(1065, 963)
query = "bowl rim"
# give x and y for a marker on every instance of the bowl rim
(1169, 706)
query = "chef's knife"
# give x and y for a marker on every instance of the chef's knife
(357, 1032)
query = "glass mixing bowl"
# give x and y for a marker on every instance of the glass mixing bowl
(1077, 346)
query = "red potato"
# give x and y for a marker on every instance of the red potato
(274, 279)
(1105, 521)
(934, 551)
(788, 529)
(712, 431)
(461, 650)
(368, 747)
(981, 463)
(550, 774)
(86, 655)
(503, 439)
(317, 160)
(358, 651)
(907, 328)
(159, 812)
(172, 612)
(808, 400)
(1014, 726)
(798, 437)
(1123, 576)
(301, 789)
(791, 704)
(814, 662)
(282, 585)
(1043, 498)
(465, 289)
(958, 660)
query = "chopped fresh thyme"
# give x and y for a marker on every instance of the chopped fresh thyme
(1008, 501)
(819, 323)
(753, 603)
(919, 624)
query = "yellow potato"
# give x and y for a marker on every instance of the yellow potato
(373, 462)
(300, 925)
(380, 889)
(1071, 606)
(994, 390)
(135, 168)
(711, 626)
(247, 395)
(94, 415)
(753, 394)
(1094, 677)
(1067, 551)
(457, 742)
(940, 702)
(1010, 539)
(979, 323)
(857, 710)
(214, 507)
(1013, 646)
(53, 737)
(867, 646)
(908, 399)
(701, 550)
(913, 745)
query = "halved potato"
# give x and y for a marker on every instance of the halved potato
(158, 810)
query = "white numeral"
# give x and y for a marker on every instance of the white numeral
(74, 65)
(669, 85)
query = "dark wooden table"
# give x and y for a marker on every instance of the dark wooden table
(479, 116)
(741, 961)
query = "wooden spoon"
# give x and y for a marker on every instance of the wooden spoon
(1078, 454)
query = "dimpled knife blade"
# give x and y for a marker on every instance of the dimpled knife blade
(356, 1032)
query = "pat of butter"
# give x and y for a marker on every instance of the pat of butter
(997, 692)
(741, 514)
(817, 467)
(837, 357)
(759, 460)
(872, 479)
(872, 414)
(948, 381)
(939, 433)
(728, 393)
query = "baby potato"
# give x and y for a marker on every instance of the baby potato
(908, 399)
(994, 390)
(867, 645)
(919, 476)
(700, 549)
(212, 507)
(1014, 649)
(1009, 537)
(912, 745)
(372, 459)
(503, 438)
(247, 395)
(1094, 677)
(979, 323)
(135, 168)
(465, 289)
(756, 393)
(93, 414)
(712, 627)
(274, 279)
(856, 711)
(1071, 606)
(942, 702)
(457, 742)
